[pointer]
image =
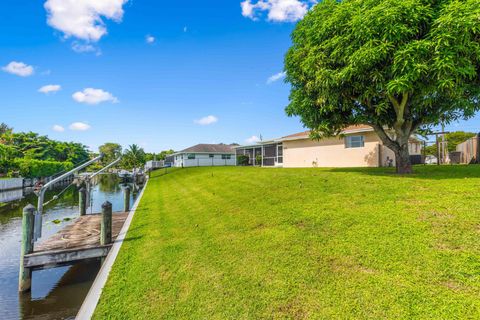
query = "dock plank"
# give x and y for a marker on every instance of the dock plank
(83, 233)
(77, 241)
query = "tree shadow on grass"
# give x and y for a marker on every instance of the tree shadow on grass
(428, 172)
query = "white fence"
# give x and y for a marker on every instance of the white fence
(208, 162)
(150, 165)
(11, 184)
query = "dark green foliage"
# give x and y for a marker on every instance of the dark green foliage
(396, 65)
(31, 168)
(242, 160)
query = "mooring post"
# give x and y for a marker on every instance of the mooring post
(126, 199)
(106, 224)
(25, 274)
(82, 201)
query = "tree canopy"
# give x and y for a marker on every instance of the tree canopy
(33, 154)
(397, 65)
(111, 151)
(31, 145)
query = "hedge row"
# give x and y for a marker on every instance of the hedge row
(31, 168)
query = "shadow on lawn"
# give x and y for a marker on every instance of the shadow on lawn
(429, 172)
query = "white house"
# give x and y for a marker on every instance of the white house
(205, 155)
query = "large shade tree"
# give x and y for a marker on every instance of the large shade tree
(399, 66)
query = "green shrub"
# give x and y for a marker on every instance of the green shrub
(258, 160)
(31, 168)
(242, 160)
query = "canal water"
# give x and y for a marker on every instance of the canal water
(56, 293)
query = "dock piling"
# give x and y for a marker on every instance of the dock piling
(126, 199)
(82, 201)
(25, 274)
(106, 224)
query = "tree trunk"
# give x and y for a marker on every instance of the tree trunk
(399, 146)
(402, 160)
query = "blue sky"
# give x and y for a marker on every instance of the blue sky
(162, 74)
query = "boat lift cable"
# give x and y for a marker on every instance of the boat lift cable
(90, 177)
(41, 195)
(74, 165)
(55, 197)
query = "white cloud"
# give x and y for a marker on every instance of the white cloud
(206, 120)
(18, 68)
(82, 19)
(80, 47)
(150, 39)
(276, 77)
(277, 10)
(94, 96)
(252, 139)
(58, 128)
(50, 88)
(79, 126)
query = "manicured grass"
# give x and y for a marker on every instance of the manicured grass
(251, 243)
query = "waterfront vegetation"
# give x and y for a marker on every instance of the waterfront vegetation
(32, 155)
(251, 243)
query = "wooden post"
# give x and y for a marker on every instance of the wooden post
(126, 199)
(82, 201)
(25, 274)
(106, 224)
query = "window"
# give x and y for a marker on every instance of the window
(191, 156)
(211, 155)
(226, 156)
(354, 142)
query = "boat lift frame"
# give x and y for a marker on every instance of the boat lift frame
(88, 180)
(41, 195)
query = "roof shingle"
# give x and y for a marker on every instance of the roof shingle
(209, 148)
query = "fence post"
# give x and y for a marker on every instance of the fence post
(106, 224)
(126, 199)
(82, 201)
(25, 274)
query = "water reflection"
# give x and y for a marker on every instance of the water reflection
(51, 298)
(57, 293)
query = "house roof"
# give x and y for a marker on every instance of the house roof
(208, 148)
(349, 129)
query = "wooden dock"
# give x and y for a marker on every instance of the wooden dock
(88, 237)
(77, 241)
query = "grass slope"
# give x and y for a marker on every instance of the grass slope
(250, 243)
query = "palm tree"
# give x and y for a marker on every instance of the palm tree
(134, 156)
(4, 128)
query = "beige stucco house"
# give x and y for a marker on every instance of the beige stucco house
(358, 146)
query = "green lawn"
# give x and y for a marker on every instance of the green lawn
(251, 243)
